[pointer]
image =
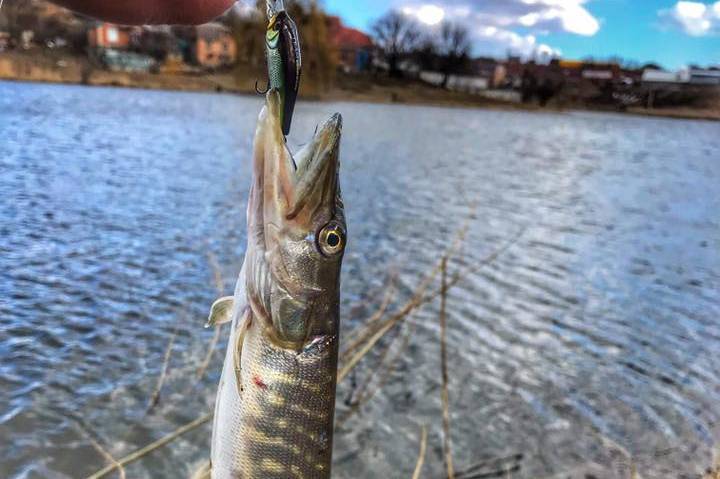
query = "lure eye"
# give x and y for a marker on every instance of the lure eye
(331, 239)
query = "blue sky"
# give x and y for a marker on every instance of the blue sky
(670, 32)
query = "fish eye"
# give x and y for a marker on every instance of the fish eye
(331, 239)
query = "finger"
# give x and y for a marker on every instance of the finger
(138, 12)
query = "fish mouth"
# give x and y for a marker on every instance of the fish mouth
(293, 200)
(303, 183)
(316, 167)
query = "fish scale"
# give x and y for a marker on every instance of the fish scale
(282, 415)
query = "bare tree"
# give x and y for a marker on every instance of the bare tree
(397, 35)
(248, 28)
(426, 53)
(454, 49)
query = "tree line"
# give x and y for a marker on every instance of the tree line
(398, 38)
(444, 48)
(319, 54)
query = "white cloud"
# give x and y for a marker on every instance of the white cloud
(499, 41)
(569, 15)
(502, 26)
(694, 18)
(542, 15)
(431, 14)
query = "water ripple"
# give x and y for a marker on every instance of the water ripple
(595, 336)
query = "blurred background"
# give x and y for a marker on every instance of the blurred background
(560, 156)
(418, 53)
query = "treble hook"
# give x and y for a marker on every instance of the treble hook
(261, 92)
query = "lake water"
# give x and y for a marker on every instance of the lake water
(589, 346)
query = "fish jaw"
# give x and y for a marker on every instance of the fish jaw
(296, 231)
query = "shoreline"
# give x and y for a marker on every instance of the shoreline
(63, 69)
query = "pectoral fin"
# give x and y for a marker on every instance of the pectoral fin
(221, 311)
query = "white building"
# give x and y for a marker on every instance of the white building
(685, 76)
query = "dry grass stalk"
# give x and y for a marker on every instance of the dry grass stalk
(375, 332)
(203, 472)
(392, 362)
(421, 455)
(208, 357)
(443, 367)
(103, 452)
(628, 459)
(418, 299)
(155, 396)
(715, 472)
(497, 467)
(217, 272)
(352, 362)
(364, 392)
(152, 447)
(354, 343)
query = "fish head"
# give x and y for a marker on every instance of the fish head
(297, 232)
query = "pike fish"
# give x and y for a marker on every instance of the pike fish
(275, 404)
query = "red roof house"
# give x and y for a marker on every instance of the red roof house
(355, 47)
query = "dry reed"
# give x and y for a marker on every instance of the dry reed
(421, 455)
(386, 364)
(370, 338)
(354, 342)
(155, 396)
(102, 451)
(152, 446)
(444, 373)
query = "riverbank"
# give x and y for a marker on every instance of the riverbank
(54, 67)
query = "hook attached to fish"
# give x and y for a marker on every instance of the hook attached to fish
(282, 43)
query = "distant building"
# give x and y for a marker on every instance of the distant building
(685, 86)
(651, 76)
(118, 60)
(107, 35)
(514, 69)
(355, 48)
(215, 46)
(462, 83)
(570, 69)
(500, 76)
(597, 72)
(116, 47)
(159, 42)
(709, 77)
(577, 70)
(489, 69)
(694, 76)
(26, 39)
(4, 41)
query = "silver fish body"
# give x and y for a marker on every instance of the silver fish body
(274, 411)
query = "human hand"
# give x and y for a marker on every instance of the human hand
(140, 12)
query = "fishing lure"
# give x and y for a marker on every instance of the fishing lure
(282, 43)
